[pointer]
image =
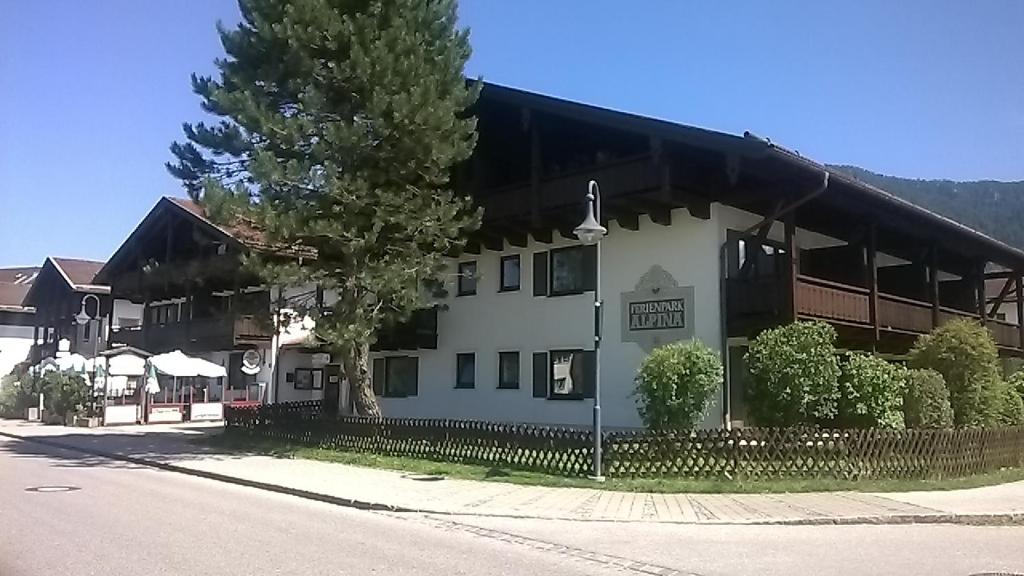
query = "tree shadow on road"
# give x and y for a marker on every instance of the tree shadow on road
(67, 447)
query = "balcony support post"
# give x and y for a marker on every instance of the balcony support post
(1020, 309)
(980, 290)
(794, 265)
(933, 281)
(872, 269)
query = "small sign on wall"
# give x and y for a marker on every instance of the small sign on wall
(657, 311)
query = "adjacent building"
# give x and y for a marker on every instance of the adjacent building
(16, 318)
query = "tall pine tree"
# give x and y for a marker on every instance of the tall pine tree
(340, 122)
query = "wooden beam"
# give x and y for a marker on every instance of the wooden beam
(536, 167)
(794, 264)
(980, 289)
(495, 243)
(517, 238)
(872, 269)
(542, 235)
(1003, 293)
(661, 216)
(1020, 308)
(628, 221)
(933, 280)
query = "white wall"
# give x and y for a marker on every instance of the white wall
(288, 362)
(221, 357)
(493, 321)
(15, 342)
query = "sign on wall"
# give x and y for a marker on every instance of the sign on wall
(657, 311)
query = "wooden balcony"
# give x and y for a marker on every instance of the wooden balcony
(197, 335)
(851, 305)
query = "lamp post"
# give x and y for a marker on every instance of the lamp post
(590, 232)
(83, 318)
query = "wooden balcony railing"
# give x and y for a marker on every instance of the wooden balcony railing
(845, 304)
(197, 334)
(819, 298)
(903, 314)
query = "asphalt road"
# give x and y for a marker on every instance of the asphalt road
(122, 519)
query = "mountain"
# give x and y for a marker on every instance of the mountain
(992, 207)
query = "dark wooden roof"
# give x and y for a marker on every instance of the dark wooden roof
(761, 161)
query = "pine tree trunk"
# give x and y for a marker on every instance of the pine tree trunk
(357, 371)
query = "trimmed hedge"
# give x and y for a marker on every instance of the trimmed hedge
(964, 352)
(676, 383)
(872, 393)
(794, 375)
(926, 400)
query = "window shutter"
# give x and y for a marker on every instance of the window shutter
(414, 387)
(589, 267)
(378, 376)
(589, 373)
(540, 274)
(540, 374)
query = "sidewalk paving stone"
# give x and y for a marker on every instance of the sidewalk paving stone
(172, 445)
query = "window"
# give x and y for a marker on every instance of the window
(510, 273)
(396, 376)
(309, 379)
(573, 270)
(465, 370)
(508, 370)
(564, 374)
(467, 279)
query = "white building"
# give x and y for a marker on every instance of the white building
(711, 236)
(16, 318)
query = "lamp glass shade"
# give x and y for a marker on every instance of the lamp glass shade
(590, 230)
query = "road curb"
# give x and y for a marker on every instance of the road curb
(339, 501)
(1007, 519)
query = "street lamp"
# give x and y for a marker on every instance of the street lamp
(590, 232)
(83, 318)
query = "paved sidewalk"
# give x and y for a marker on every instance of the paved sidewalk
(170, 447)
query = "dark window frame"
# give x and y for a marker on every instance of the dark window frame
(312, 379)
(502, 384)
(578, 393)
(389, 387)
(578, 282)
(461, 290)
(459, 357)
(502, 286)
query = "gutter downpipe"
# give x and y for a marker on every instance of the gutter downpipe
(723, 298)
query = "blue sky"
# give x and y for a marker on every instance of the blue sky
(92, 93)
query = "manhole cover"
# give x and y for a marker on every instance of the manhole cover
(45, 489)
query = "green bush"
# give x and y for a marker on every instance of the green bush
(964, 352)
(1016, 383)
(871, 393)
(794, 375)
(64, 392)
(676, 383)
(926, 402)
(17, 395)
(1011, 411)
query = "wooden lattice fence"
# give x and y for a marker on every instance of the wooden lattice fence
(748, 453)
